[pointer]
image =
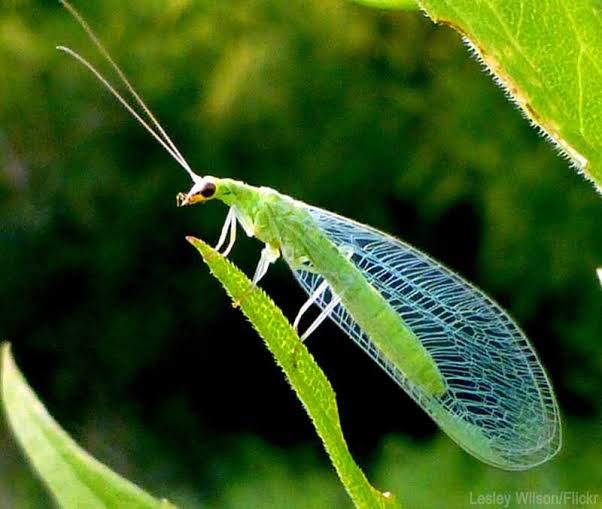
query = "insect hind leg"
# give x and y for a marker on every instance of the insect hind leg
(334, 302)
(314, 297)
(319, 293)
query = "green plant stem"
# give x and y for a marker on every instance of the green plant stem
(301, 370)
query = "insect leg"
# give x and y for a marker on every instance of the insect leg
(232, 235)
(313, 298)
(334, 302)
(268, 255)
(222, 237)
(347, 251)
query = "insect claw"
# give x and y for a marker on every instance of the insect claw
(181, 200)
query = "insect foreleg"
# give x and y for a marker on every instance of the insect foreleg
(230, 218)
(232, 236)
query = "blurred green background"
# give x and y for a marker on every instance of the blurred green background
(380, 116)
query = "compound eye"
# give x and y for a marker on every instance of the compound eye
(208, 190)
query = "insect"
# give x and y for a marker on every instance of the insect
(448, 345)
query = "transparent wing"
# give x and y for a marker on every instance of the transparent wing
(499, 405)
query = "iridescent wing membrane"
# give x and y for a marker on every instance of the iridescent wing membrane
(499, 404)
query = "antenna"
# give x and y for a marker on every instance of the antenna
(152, 125)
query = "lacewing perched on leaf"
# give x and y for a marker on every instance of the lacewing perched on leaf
(447, 344)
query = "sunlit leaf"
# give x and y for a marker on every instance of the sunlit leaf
(75, 479)
(547, 54)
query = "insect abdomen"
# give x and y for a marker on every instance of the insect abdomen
(387, 330)
(373, 314)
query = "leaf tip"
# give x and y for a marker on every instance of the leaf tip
(6, 359)
(202, 247)
(4, 350)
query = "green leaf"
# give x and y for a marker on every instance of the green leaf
(74, 477)
(302, 371)
(547, 54)
(390, 4)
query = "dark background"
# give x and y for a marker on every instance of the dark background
(379, 116)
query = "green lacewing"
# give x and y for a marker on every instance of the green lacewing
(455, 351)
